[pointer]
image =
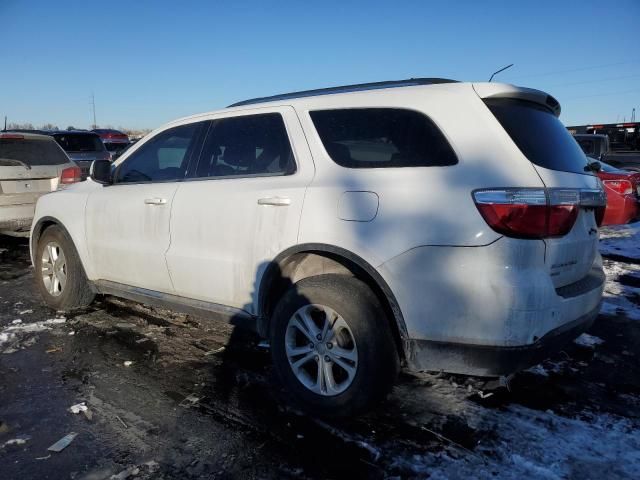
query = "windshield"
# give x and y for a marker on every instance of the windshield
(31, 152)
(79, 142)
(539, 135)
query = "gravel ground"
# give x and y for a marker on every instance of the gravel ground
(173, 396)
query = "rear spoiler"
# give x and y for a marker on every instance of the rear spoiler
(504, 90)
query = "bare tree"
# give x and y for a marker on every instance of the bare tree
(20, 126)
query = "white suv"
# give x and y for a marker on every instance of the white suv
(436, 224)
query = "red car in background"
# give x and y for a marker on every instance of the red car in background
(114, 141)
(623, 195)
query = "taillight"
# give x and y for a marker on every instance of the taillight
(534, 212)
(70, 175)
(623, 187)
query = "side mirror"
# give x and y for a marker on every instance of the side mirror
(100, 172)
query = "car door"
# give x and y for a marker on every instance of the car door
(128, 221)
(242, 207)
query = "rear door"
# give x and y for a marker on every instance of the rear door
(561, 165)
(128, 222)
(242, 208)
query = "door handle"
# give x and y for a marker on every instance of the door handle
(277, 201)
(155, 201)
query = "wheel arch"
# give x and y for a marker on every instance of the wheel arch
(40, 226)
(311, 259)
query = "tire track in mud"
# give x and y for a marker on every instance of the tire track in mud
(236, 388)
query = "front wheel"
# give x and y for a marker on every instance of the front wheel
(59, 275)
(332, 346)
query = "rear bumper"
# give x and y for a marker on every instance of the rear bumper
(16, 218)
(486, 310)
(493, 361)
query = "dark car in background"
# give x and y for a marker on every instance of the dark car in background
(114, 141)
(83, 147)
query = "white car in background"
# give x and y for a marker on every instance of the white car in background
(430, 223)
(30, 166)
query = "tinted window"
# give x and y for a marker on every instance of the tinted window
(382, 137)
(116, 147)
(249, 145)
(539, 134)
(44, 151)
(588, 146)
(163, 158)
(79, 142)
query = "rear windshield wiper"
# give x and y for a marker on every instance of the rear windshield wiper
(7, 162)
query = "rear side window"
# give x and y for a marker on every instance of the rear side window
(382, 137)
(79, 142)
(30, 151)
(247, 145)
(539, 135)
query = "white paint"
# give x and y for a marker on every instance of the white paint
(454, 277)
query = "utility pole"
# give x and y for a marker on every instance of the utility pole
(5, 123)
(93, 107)
(633, 114)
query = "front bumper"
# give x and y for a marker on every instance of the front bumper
(492, 361)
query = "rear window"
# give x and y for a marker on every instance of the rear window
(539, 134)
(14, 151)
(80, 142)
(116, 147)
(382, 137)
(588, 145)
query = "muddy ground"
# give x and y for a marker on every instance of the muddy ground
(200, 400)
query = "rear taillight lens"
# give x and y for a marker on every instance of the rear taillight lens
(534, 212)
(70, 175)
(623, 187)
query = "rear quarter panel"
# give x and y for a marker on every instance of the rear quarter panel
(417, 205)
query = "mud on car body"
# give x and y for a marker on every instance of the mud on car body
(423, 222)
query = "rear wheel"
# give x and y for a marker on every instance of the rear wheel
(332, 345)
(59, 275)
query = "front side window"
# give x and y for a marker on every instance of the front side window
(382, 137)
(246, 146)
(163, 158)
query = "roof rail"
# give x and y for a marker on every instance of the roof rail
(345, 89)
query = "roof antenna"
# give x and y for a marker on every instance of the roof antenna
(501, 70)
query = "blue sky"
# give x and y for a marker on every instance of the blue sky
(149, 62)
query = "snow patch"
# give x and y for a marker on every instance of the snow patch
(587, 340)
(621, 240)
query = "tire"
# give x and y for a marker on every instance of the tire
(56, 253)
(360, 331)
